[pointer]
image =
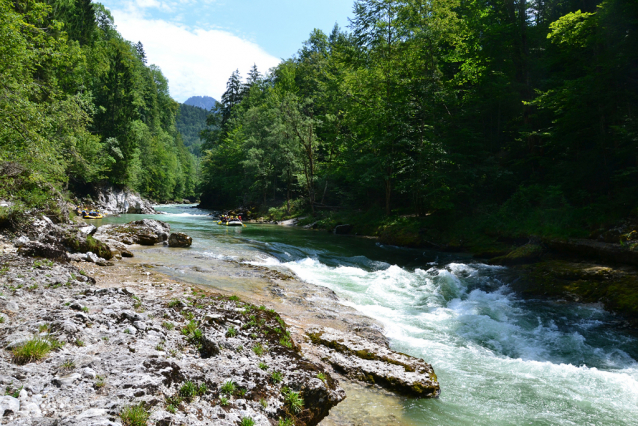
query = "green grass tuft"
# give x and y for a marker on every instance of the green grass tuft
(228, 387)
(32, 350)
(247, 421)
(134, 415)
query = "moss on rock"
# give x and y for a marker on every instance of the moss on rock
(615, 288)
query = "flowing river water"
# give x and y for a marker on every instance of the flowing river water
(501, 360)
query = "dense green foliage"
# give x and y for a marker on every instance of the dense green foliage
(520, 114)
(79, 105)
(190, 122)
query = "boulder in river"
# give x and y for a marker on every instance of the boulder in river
(179, 239)
(145, 232)
(369, 362)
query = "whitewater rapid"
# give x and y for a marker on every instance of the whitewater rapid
(500, 359)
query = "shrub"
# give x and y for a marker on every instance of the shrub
(134, 415)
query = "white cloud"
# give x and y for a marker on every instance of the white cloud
(196, 62)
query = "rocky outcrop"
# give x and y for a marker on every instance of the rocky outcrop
(121, 201)
(179, 239)
(616, 287)
(46, 239)
(360, 359)
(595, 250)
(528, 253)
(187, 358)
(146, 232)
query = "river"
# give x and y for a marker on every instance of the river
(501, 360)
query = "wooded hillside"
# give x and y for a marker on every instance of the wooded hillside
(518, 114)
(80, 105)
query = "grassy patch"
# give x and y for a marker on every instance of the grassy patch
(134, 415)
(32, 350)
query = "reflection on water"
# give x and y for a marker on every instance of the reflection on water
(500, 360)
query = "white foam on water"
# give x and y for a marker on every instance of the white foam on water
(184, 215)
(499, 361)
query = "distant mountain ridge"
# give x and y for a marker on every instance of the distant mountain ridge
(204, 102)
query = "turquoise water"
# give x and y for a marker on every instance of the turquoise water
(501, 360)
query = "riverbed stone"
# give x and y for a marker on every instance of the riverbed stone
(179, 239)
(367, 361)
(144, 232)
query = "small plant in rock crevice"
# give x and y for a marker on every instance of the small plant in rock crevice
(168, 325)
(11, 391)
(263, 403)
(99, 382)
(223, 401)
(231, 332)
(285, 422)
(285, 341)
(228, 387)
(322, 377)
(247, 421)
(68, 365)
(134, 415)
(258, 349)
(276, 377)
(193, 334)
(293, 400)
(263, 366)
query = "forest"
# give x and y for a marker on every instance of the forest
(515, 117)
(80, 106)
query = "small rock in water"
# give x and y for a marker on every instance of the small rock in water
(179, 239)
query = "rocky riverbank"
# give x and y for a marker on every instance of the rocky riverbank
(118, 342)
(112, 200)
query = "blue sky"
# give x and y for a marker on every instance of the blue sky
(198, 43)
